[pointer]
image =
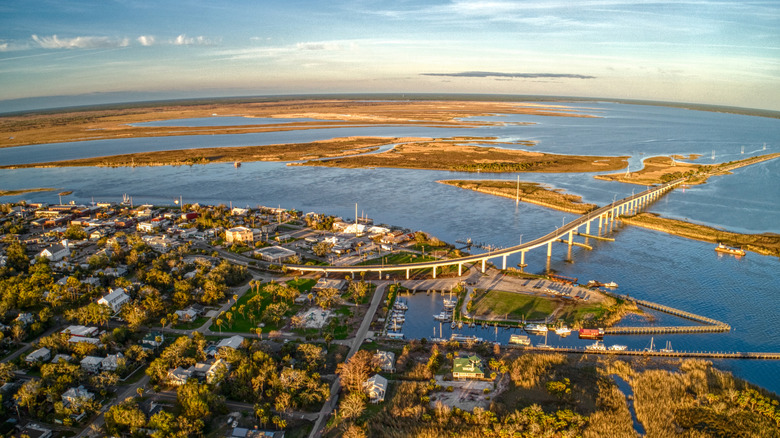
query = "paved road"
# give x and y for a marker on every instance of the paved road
(327, 408)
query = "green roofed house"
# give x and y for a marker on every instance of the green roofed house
(467, 368)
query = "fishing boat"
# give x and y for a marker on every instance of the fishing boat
(618, 347)
(562, 331)
(536, 328)
(442, 316)
(728, 250)
(596, 346)
(586, 333)
(519, 340)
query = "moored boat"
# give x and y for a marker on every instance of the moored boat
(536, 328)
(728, 250)
(596, 346)
(586, 333)
(519, 340)
(617, 347)
(611, 284)
(442, 316)
(563, 331)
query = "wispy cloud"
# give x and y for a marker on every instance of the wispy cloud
(80, 42)
(146, 40)
(184, 40)
(492, 74)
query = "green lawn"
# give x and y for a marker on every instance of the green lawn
(499, 304)
(243, 323)
(191, 325)
(398, 259)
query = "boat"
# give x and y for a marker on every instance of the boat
(728, 250)
(442, 316)
(611, 284)
(400, 305)
(536, 328)
(463, 338)
(395, 335)
(617, 347)
(519, 340)
(650, 348)
(236, 164)
(668, 348)
(591, 333)
(563, 331)
(596, 346)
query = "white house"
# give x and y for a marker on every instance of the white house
(74, 396)
(209, 370)
(376, 387)
(153, 340)
(55, 252)
(187, 315)
(40, 355)
(91, 364)
(386, 360)
(111, 362)
(115, 300)
(179, 376)
(232, 342)
(275, 254)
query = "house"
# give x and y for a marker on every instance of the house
(62, 358)
(467, 368)
(180, 375)
(74, 396)
(112, 361)
(91, 364)
(25, 319)
(33, 430)
(55, 252)
(275, 254)
(42, 354)
(242, 432)
(386, 360)
(326, 283)
(77, 339)
(147, 227)
(232, 342)
(239, 211)
(239, 234)
(376, 387)
(187, 315)
(153, 340)
(80, 330)
(115, 300)
(210, 370)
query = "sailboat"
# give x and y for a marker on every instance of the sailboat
(668, 348)
(650, 349)
(544, 346)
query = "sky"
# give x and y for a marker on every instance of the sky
(698, 51)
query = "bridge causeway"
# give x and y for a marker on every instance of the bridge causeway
(606, 216)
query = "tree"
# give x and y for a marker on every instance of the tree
(326, 297)
(17, 257)
(197, 400)
(356, 370)
(124, 417)
(321, 249)
(75, 232)
(353, 405)
(311, 356)
(359, 289)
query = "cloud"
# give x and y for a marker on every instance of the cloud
(184, 40)
(491, 74)
(80, 42)
(319, 45)
(146, 40)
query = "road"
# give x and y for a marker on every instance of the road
(329, 405)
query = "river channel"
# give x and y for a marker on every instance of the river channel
(669, 270)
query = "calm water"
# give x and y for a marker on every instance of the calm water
(674, 271)
(223, 121)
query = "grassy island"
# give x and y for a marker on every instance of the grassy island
(531, 192)
(765, 244)
(459, 156)
(659, 170)
(99, 123)
(23, 191)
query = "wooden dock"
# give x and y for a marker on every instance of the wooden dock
(672, 354)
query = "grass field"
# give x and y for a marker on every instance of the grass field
(500, 304)
(397, 259)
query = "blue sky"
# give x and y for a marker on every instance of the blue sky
(708, 51)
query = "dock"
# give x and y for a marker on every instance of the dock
(677, 354)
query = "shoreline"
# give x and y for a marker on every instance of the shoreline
(532, 193)
(661, 169)
(68, 126)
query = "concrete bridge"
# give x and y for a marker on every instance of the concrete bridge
(605, 216)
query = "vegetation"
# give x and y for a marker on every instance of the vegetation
(497, 304)
(533, 193)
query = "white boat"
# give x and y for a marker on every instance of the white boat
(596, 346)
(611, 284)
(395, 335)
(536, 328)
(563, 331)
(463, 338)
(399, 305)
(668, 348)
(443, 316)
(519, 339)
(618, 347)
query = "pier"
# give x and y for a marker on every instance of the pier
(645, 353)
